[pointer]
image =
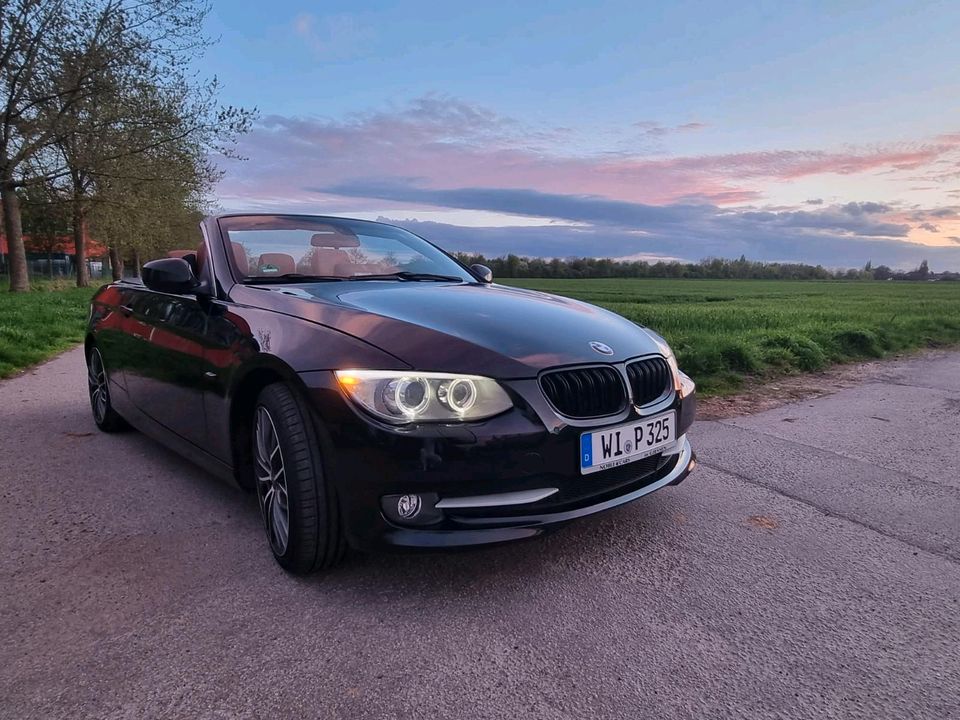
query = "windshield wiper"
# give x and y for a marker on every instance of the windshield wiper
(405, 275)
(290, 278)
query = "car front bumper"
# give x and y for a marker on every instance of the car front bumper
(480, 483)
(496, 528)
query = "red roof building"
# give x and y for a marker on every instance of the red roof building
(63, 245)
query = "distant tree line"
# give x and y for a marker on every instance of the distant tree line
(105, 130)
(516, 266)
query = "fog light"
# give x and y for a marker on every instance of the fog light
(412, 509)
(408, 506)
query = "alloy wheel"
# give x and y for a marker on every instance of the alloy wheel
(271, 481)
(97, 384)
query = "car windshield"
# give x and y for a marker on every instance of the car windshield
(287, 248)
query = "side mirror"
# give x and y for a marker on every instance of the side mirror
(170, 275)
(482, 272)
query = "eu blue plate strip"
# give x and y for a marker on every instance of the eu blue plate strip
(586, 450)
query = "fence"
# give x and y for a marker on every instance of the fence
(58, 266)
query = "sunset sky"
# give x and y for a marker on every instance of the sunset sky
(827, 133)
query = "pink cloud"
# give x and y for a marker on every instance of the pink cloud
(441, 143)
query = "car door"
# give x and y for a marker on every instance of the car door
(164, 371)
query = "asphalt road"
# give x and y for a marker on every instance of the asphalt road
(809, 569)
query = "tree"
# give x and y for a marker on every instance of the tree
(144, 120)
(45, 220)
(882, 272)
(89, 83)
(140, 219)
(29, 31)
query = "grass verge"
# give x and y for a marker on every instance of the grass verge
(38, 324)
(724, 331)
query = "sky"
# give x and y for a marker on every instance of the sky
(826, 133)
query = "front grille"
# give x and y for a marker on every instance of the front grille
(585, 392)
(649, 379)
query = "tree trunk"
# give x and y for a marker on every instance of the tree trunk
(116, 263)
(50, 264)
(136, 262)
(80, 242)
(19, 280)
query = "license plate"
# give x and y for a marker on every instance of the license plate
(615, 446)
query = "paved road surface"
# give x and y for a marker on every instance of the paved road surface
(809, 569)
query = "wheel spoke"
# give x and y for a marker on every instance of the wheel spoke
(266, 501)
(271, 481)
(263, 470)
(97, 384)
(281, 524)
(261, 431)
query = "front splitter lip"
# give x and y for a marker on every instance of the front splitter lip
(520, 527)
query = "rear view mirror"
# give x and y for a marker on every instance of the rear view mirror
(330, 236)
(170, 275)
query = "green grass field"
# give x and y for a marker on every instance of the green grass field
(725, 330)
(41, 323)
(722, 330)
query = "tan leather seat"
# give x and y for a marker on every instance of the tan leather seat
(324, 261)
(281, 261)
(240, 258)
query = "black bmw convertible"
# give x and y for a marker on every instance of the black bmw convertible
(374, 392)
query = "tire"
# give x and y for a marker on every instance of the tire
(98, 387)
(287, 466)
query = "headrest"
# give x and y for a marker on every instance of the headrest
(240, 258)
(276, 264)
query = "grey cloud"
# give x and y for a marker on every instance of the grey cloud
(828, 219)
(655, 129)
(606, 228)
(516, 201)
(788, 246)
(707, 219)
(864, 208)
(929, 227)
(814, 201)
(830, 236)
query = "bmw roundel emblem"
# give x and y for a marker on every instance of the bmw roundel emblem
(602, 348)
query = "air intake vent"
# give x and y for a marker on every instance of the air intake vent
(585, 392)
(649, 379)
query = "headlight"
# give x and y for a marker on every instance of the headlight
(682, 383)
(675, 369)
(403, 397)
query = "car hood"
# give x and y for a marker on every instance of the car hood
(469, 327)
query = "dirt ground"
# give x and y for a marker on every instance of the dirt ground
(758, 394)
